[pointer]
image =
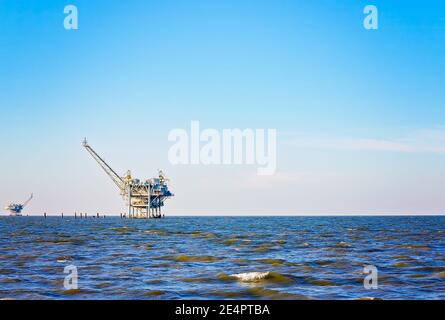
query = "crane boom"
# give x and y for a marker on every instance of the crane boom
(110, 172)
(27, 201)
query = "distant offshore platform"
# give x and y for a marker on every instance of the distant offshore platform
(15, 209)
(144, 199)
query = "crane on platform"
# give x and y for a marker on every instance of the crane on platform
(16, 209)
(144, 199)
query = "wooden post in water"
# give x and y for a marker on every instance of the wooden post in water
(62, 215)
(44, 215)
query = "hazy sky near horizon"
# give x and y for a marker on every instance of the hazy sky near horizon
(360, 114)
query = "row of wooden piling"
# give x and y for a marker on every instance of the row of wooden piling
(82, 215)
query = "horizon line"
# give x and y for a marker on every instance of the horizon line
(101, 216)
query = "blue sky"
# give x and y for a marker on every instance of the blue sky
(360, 114)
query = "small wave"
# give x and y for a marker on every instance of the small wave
(123, 229)
(6, 271)
(9, 280)
(400, 265)
(166, 265)
(103, 285)
(415, 246)
(324, 262)
(61, 241)
(430, 269)
(7, 256)
(256, 277)
(372, 250)
(157, 232)
(441, 274)
(191, 280)
(229, 242)
(27, 257)
(226, 294)
(323, 283)
(185, 258)
(263, 248)
(275, 294)
(154, 293)
(403, 258)
(200, 234)
(259, 292)
(239, 236)
(241, 261)
(419, 275)
(343, 244)
(63, 259)
(273, 262)
(73, 292)
(20, 233)
(137, 269)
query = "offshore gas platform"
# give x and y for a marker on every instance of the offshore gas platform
(15, 209)
(144, 199)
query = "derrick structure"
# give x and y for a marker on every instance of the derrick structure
(143, 199)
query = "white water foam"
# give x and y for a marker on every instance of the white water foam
(251, 276)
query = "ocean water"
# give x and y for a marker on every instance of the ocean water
(222, 257)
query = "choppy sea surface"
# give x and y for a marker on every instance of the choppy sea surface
(222, 257)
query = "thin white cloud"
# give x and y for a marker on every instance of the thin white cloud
(423, 141)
